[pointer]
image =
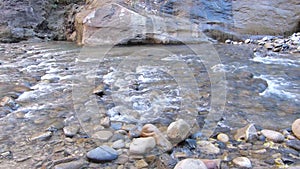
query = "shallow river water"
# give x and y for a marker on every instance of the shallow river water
(55, 84)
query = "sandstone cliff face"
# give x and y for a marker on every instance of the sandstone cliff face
(266, 17)
(46, 19)
(113, 21)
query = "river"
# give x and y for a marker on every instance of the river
(51, 84)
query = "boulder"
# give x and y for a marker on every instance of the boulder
(112, 23)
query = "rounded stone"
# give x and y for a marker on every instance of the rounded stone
(178, 131)
(190, 163)
(103, 135)
(273, 135)
(70, 131)
(242, 162)
(223, 137)
(102, 154)
(141, 146)
(296, 128)
(118, 144)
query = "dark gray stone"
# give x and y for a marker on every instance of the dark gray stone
(102, 153)
(295, 144)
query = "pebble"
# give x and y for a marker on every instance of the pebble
(71, 165)
(296, 128)
(41, 136)
(295, 144)
(276, 49)
(190, 164)
(246, 133)
(141, 164)
(247, 41)
(242, 162)
(208, 148)
(273, 135)
(140, 146)
(178, 131)
(149, 130)
(118, 144)
(103, 135)
(165, 161)
(268, 46)
(223, 137)
(70, 131)
(102, 154)
(228, 41)
(105, 122)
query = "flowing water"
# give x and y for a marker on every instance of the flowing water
(51, 85)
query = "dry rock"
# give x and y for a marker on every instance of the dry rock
(150, 130)
(296, 128)
(246, 133)
(223, 137)
(103, 135)
(208, 148)
(190, 164)
(178, 131)
(141, 146)
(273, 135)
(242, 162)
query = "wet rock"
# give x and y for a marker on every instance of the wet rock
(228, 41)
(71, 165)
(223, 137)
(212, 164)
(242, 162)
(102, 154)
(150, 130)
(178, 131)
(141, 164)
(208, 148)
(190, 163)
(141, 146)
(165, 161)
(296, 128)
(268, 46)
(118, 144)
(103, 135)
(276, 49)
(273, 135)
(295, 144)
(70, 131)
(246, 133)
(247, 41)
(41, 136)
(99, 90)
